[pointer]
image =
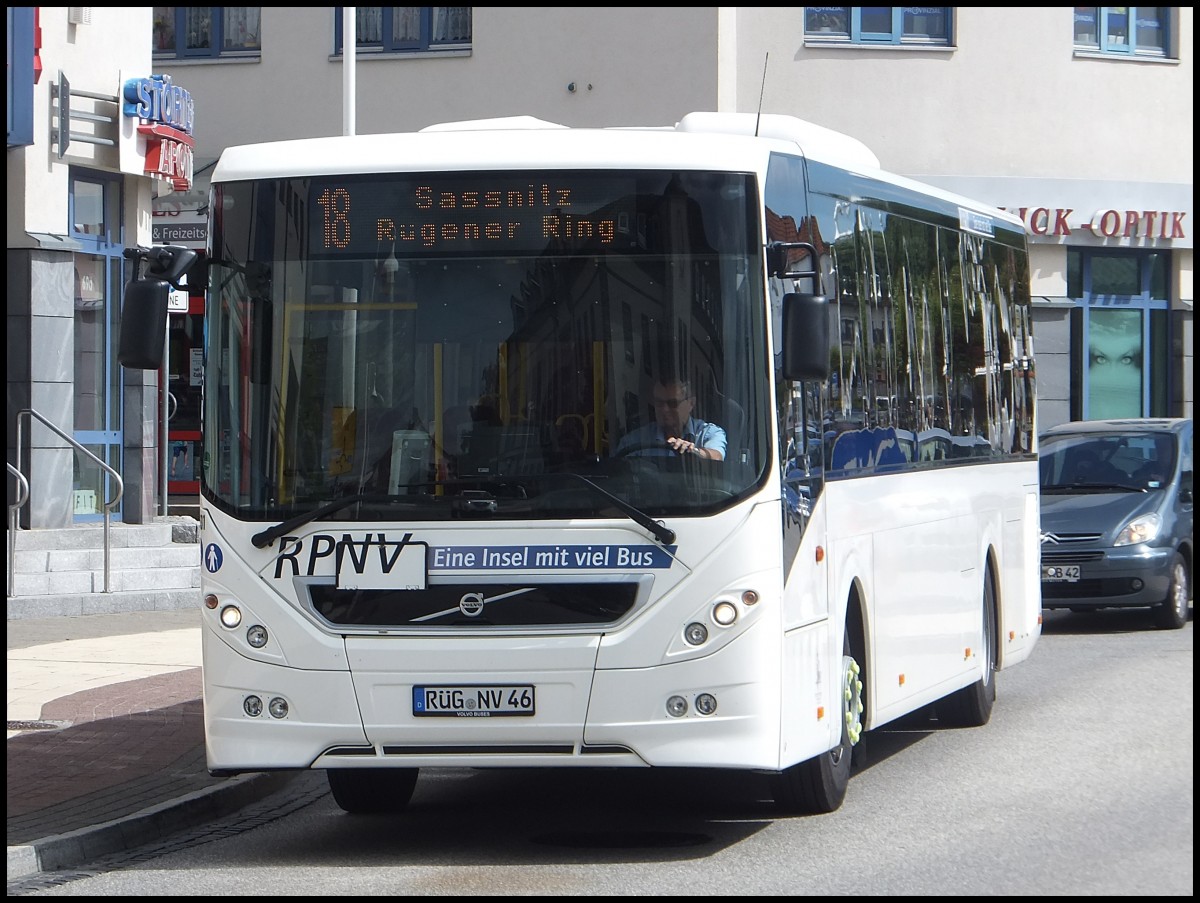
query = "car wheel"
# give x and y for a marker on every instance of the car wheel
(972, 706)
(372, 791)
(819, 785)
(1172, 612)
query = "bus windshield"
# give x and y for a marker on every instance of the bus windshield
(450, 345)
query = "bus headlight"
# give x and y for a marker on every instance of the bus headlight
(725, 613)
(231, 616)
(677, 706)
(256, 636)
(695, 633)
(278, 707)
(253, 706)
(706, 703)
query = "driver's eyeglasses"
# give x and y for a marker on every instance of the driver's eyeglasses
(671, 403)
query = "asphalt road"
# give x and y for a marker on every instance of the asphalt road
(1080, 785)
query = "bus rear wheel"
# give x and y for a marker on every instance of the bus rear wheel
(972, 706)
(372, 791)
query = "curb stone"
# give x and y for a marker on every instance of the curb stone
(75, 848)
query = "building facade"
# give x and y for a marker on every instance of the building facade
(1078, 118)
(92, 139)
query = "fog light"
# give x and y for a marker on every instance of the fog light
(231, 616)
(253, 706)
(725, 613)
(695, 633)
(256, 636)
(676, 706)
(278, 707)
(1136, 583)
(706, 703)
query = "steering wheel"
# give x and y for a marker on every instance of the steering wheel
(636, 447)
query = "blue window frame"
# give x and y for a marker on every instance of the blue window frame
(1123, 30)
(879, 24)
(1122, 345)
(95, 209)
(407, 29)
(204, 32)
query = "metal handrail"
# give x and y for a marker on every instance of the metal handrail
(22, 497)
(108, 506)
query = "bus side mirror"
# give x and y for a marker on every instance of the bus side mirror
(169, 262)
(143, 324)
(144, 311)
(785, 257)
(805, 337)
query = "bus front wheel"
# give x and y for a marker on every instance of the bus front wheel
(372, 791)
(819, 785)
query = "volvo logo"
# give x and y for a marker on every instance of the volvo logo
(471, 604)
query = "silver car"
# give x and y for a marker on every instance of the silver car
(1116, 513)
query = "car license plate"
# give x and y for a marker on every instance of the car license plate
(482, 701)
(1061, 573)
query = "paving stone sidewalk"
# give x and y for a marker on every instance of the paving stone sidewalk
(106, 737)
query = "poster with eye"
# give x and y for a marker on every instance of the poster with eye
(1115, 364)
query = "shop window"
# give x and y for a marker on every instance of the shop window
(1114, 275)
(1075, 275)
(1115, 364)
(1123, 30)
(407, 29)
(1119, 274)
(1122, 346)
(190, 32)
(1158, 276)
(94, 210)
(878, 24)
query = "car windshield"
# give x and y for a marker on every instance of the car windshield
(1133, 462)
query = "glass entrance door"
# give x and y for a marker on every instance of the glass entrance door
(95, 202)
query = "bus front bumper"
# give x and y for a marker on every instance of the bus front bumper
(581, 717)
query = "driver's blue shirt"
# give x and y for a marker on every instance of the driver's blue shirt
(653, 441)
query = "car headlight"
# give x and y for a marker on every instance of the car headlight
(1142, 529)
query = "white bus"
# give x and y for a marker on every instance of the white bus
(427, 542)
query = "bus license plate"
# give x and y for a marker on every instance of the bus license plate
(484, 701)
(1061, 574)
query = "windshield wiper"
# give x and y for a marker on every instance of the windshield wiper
(269, 535)
(1092, 487)
(664, 535)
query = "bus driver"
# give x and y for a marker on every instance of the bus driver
(674, 428)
